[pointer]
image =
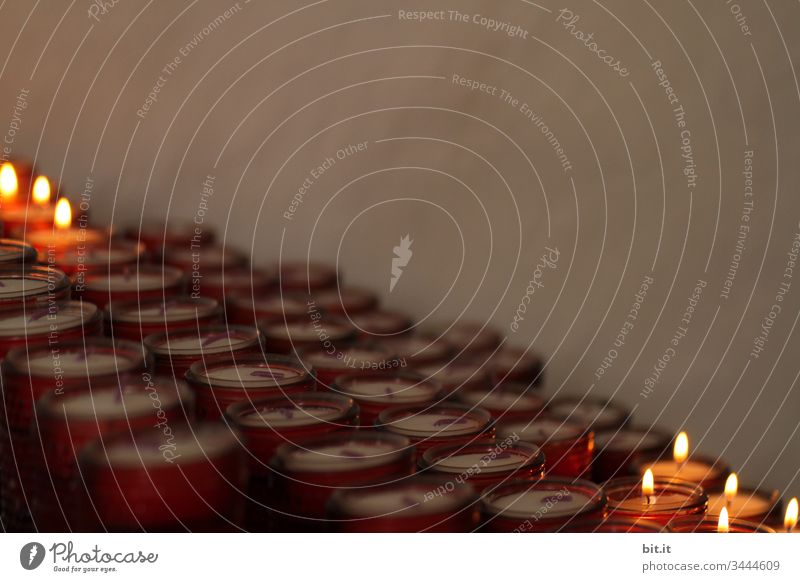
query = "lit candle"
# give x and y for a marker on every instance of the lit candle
(790, 520)
(720, 524)
(9, 185)
(63, 237)
(744, 504)
(660, 500)
(708, 473)
(20, 219)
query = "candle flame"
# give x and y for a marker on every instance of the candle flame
(731, 486)
(648, 483)
(8, 181)
(681, 451)
(63, 216)
(790, 521)
(722, 525)
(41, 190)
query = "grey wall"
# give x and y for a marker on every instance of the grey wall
(274, 88)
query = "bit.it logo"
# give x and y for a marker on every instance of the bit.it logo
(31, 555)
(402, 255)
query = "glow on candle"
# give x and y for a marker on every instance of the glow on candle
(41, 191)
(681, 450)
(8, 181)
(722, 525)
(648, 486)
(790, 521)
(63, 215)
(731, 488)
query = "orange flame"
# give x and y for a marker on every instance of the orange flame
(41, 190)
(63, 216)
(8, 181)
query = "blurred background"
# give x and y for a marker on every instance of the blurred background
(646, 150)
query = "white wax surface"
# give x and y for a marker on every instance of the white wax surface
(345, 456)
(585, 413)
(353, 358)
(742, 506)
(130, 281)
(132, 400)
(248, 373)
(298, 415)
(548, 503)
(660, 502)
(692, 471)
(77, 363)
(399, 391)
(403, 500)
(40, 320)
(541, 430)
(453, 375)
(10, 253)
(21, 286)
(168, 312)
(433, 423)
(486, 462)
(216, 341)
(501, 400)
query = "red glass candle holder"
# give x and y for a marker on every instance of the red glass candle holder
(352, 360)
(268, 423)
(38, 325)
(220, 382)
(540, 506)
(307, 277)
(135, 320)
(671, 499)
(29, 285)
(707, 472)
(187, 478)
(701, 525)
(457, 376)
(174, 353)
(30, 372)
(751, 505)
(506, 402)
(131, 283)
(199, 261)
(596, 413)
(375, 392)
(616, 525)
(417, 504)
(293, 337)
(567, 446)
(305, 476)
(418, 351)
(485, 464)
(512, 365)
(246, 308)
(98, 258)
(345, 301)
(157, 236)
(618, 450)
(16, 251)
(381, 324)
(467, 339)
(441, 424)
(69, 420)
(238, 281)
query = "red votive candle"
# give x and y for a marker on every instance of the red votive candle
(711, 525)
(596, 413)
(417, 504)
(746, 504)
(375, 392)
(709, 473)
(305, 476)
(29, 285)
(202, 261)
(512, 365)
(246, 308)
(567, 446)
(16, 251)
(352, 360)
(239, 281)
(345, 301)
(485, 464)
(218, 383)
(306, 277)
(157, 236)
(34, 326)
(165, 479)
(670, 499)
(135, 320)
(378, 324)
(506, 402)
(289, 337)
(617, 451)
(267, 423)
(69, 420)
(173, 353)
(418, 351)
(540, 506)
(131, 283)
(615, 525)
(441, 424)
(99, 258)
(457, 376)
